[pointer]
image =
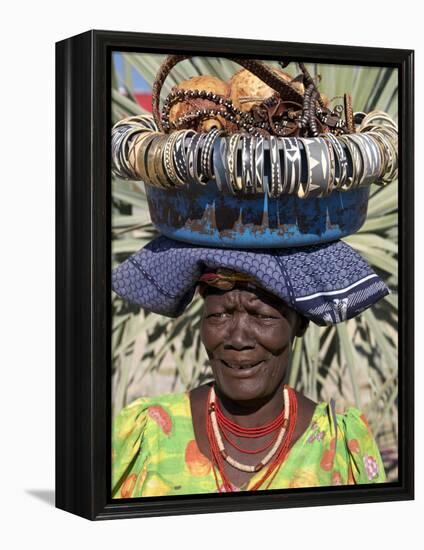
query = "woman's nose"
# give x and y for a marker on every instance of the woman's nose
(240, 335)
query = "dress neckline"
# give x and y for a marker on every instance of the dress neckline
(299, 443)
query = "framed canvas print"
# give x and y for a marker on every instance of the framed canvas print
(234, 275)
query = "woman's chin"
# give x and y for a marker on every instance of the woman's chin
(243, 390)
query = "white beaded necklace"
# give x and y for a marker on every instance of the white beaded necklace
(271, 453)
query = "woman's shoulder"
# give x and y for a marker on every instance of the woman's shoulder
(356, 431)
(350, 439)
(142, 425)
(349, 420)
(158, 408)
(166, 399)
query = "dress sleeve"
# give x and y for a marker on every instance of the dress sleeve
(363, 456)
(128, 451)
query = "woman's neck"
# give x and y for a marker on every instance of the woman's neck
(252, 413)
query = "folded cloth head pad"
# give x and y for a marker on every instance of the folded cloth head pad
(327, 283)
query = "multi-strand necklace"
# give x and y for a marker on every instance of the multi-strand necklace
(218, 426)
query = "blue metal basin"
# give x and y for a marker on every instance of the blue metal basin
(205, 216)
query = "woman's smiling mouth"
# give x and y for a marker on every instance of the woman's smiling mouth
(235, 365)
(244, 369)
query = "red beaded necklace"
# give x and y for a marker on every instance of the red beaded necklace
(283, 421)
(227, 425)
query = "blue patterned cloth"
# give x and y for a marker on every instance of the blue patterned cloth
(327, 283)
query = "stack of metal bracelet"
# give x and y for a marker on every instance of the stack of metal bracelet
(240, 163)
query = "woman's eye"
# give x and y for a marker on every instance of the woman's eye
(219, 315)
(224, 315)
(264, 316)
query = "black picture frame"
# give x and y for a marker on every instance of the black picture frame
(83, 416)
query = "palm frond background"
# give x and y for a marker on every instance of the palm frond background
(354, 362)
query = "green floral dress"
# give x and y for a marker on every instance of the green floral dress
(154, 451)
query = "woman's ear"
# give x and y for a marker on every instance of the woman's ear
(302, 325)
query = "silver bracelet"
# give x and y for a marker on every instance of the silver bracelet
(247, 163)
(318, 168)
(276, 185)
(199, 176)
(340, 160)
(258, 171)
(293, 165)
(231, 164)
(206, 157)
(179, 155)
(191, 157)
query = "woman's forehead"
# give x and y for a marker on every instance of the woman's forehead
(252, 297)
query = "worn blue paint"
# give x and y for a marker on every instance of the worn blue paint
(205, 216)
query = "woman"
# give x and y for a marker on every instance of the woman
(247, 430)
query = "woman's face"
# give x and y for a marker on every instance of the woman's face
(248, 338)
